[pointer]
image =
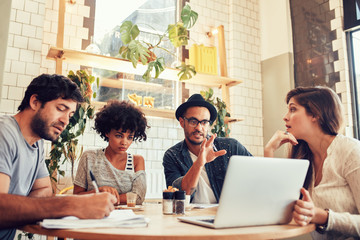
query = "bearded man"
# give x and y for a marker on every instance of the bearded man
(25, 188)
(198, 164)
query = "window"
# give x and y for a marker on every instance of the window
(354, 63)
(352, 26)
(152, 18)
(351, 13)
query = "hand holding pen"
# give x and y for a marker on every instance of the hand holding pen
(93, 180)
(108, 189)
(209, 150)
(213, 145)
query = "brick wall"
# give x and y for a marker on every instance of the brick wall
(320, 53)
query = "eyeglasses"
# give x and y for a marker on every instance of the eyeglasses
(193, 122)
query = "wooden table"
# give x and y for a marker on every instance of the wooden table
(165, 227)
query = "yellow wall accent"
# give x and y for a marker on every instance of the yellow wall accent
(204, 59)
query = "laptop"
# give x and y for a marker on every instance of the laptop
(256, 191)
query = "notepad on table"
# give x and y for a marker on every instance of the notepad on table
(201, 206)
(117, 218)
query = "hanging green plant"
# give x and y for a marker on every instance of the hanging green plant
(140, 51)
(220, 127)
(65, 147)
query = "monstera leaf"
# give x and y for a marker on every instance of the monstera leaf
(158, 65)
(188, 16)
(178, 34)
(186, 71)
(129, 32)
(135, 52)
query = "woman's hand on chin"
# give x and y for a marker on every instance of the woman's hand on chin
(277, 140)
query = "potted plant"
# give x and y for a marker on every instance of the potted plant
(66, 146)
(138, 51)
(220, 127)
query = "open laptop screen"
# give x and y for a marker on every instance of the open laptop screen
(260, 191)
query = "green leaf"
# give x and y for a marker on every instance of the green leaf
(134, 51)
(186, 71)
(81, 126)
(188, 16)
(220, 121)
(128, 32)
(137, 52)
(219, 127)
(90, 113)
(61, 172)
(211, 92)
(76, 124)
(97, 82)
(157, 65)
(81, 112)
(91, 79)
(178, 34)
(75, 118)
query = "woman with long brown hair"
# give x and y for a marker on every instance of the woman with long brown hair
(331, 193)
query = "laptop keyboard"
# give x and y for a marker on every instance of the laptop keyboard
(207, 220)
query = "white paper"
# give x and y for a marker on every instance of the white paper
(117, 218)
(200, 205)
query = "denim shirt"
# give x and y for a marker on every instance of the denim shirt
(177, 162)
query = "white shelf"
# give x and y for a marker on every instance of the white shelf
(121, 65)
(164, 113)
(154, 112)
(134, 85)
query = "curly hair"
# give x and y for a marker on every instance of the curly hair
(49, 87)
(121, 115)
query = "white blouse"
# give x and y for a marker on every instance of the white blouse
(339, 189)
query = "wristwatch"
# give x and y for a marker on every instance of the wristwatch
(321, 228)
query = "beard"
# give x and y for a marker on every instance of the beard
(41, 127)
(192, 141)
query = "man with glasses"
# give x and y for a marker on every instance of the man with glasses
(198, 164)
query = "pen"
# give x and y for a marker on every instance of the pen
(93, 180)
(213, 145)
(215, 149)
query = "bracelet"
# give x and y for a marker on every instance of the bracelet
(321, 228)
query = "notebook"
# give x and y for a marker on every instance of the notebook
(256, 191)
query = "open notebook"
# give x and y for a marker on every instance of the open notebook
(117, 218)
(256, 191)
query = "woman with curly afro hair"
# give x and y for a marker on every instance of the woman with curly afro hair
(116, 170)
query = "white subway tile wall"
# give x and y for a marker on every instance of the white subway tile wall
(341, 65)
(242, 35)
